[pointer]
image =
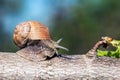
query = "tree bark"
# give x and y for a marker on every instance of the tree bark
(66, 67)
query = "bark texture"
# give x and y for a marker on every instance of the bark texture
(67, 67)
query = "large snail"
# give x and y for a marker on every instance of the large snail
(34, 41)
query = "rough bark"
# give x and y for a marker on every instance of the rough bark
(74, 67)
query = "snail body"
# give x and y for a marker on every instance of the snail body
(34, 41)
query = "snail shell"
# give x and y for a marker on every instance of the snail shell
(31, 30)
(35, 42)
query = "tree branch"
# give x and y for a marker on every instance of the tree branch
(62, 68)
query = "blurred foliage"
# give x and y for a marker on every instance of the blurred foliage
(7, 7)
(82, 25)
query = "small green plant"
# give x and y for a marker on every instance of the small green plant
(115, 53)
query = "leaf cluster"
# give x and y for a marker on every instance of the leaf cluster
(111, 53)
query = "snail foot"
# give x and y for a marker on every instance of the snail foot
(35, 53)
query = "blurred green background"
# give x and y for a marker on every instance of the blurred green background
(80, 23)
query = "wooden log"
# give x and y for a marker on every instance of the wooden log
(67, 67)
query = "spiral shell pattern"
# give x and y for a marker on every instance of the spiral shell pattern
(31, 30)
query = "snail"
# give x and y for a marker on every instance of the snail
(34, 41)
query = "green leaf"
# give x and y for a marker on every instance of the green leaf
(114, 54)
